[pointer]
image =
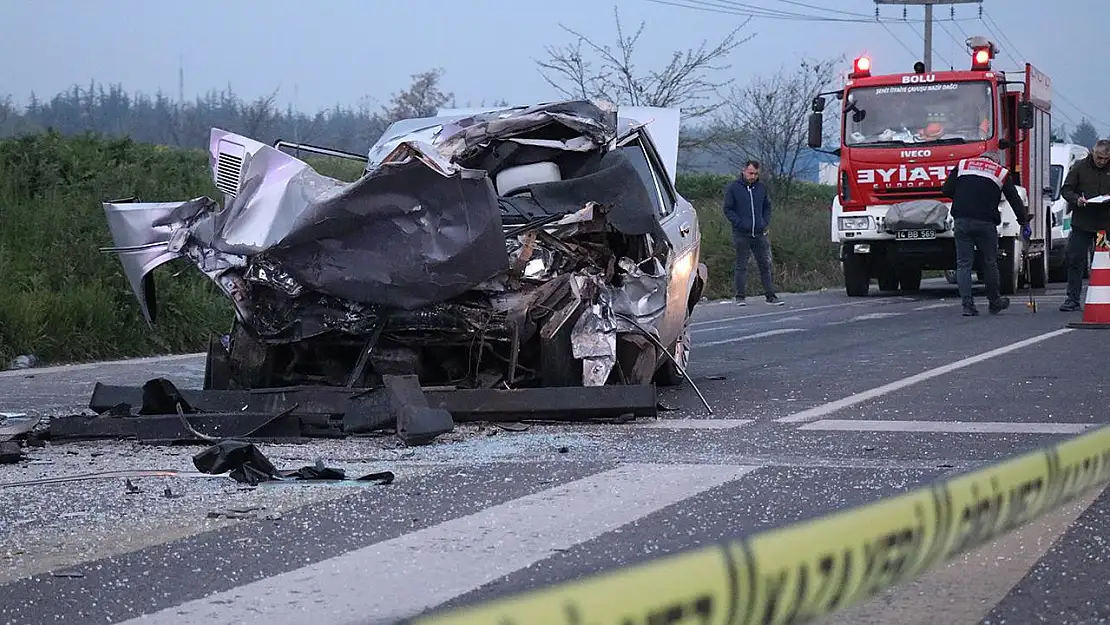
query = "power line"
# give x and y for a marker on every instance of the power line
(820, 8)
(997, 31)
(744, 9)
(740, 9)
(931, 49)
(898, 39)
(959, 44)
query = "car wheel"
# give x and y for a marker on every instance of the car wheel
(669, 374)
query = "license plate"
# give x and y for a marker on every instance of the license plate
(915, 234)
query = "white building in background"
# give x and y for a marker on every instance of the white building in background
(826, 173)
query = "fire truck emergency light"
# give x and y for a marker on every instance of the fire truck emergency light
(861, 68)
(982, 51)
(981, 60)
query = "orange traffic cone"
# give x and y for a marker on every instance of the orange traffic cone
(1096, 310)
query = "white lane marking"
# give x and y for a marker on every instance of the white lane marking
(815, 413)
(750, 337)
(733, 326)
(93, 365)
(790, 311)
(932, 306)
(403, 576)
(949, 427)
(696, 424)
(878, 315)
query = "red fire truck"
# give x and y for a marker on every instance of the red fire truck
(900, 136)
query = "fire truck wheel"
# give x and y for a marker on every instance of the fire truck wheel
(1009, 266)
(909, 278)
(888, 280)
(856, 280)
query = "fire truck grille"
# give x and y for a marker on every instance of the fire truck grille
(915, 193)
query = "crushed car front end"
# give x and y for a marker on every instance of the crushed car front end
(507, 249)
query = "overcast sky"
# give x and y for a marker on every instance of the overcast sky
(323, 52)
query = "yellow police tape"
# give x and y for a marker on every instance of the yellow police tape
(812, 569)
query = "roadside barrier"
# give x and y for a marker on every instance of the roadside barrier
(1096, 310)
(812, 569)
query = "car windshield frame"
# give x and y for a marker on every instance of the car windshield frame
(962, 101)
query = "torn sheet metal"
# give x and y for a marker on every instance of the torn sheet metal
(594, 336)
(406, 239)
(142, 233)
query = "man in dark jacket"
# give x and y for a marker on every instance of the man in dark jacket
(1087, 180)
(748, 209)
(976, 186)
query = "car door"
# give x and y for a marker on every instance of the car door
(680, 225)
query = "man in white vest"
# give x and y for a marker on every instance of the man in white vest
(976, 186)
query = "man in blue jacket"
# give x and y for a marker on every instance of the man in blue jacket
(748, 209)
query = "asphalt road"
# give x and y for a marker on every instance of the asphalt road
(820, 405)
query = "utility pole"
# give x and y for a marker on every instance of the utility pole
(928, 58)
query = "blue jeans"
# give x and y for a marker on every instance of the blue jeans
(746, 244)
(1077, 254)
(971, 234)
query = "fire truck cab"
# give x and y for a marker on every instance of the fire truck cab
(901, 134)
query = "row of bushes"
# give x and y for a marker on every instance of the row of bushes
(64, 300)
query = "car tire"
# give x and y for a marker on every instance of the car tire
(668, 374)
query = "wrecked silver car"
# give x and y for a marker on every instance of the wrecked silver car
(522, 247)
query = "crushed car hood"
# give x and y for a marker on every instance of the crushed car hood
(416, 229)
(467, 231)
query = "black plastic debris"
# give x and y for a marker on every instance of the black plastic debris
(381, 477)
(315, 472)
(12, 429)
(10, 452)
(243, 461)
(416, 413)
(246, 464)
(417, 422)
(161, 397)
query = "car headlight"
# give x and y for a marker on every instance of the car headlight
(855, 223)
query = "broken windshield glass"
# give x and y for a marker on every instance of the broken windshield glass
(945, 112)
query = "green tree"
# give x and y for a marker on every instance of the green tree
(1085, 134)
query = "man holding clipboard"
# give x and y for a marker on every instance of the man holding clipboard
(1087, 191)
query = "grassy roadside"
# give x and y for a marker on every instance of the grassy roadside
(64, 300)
